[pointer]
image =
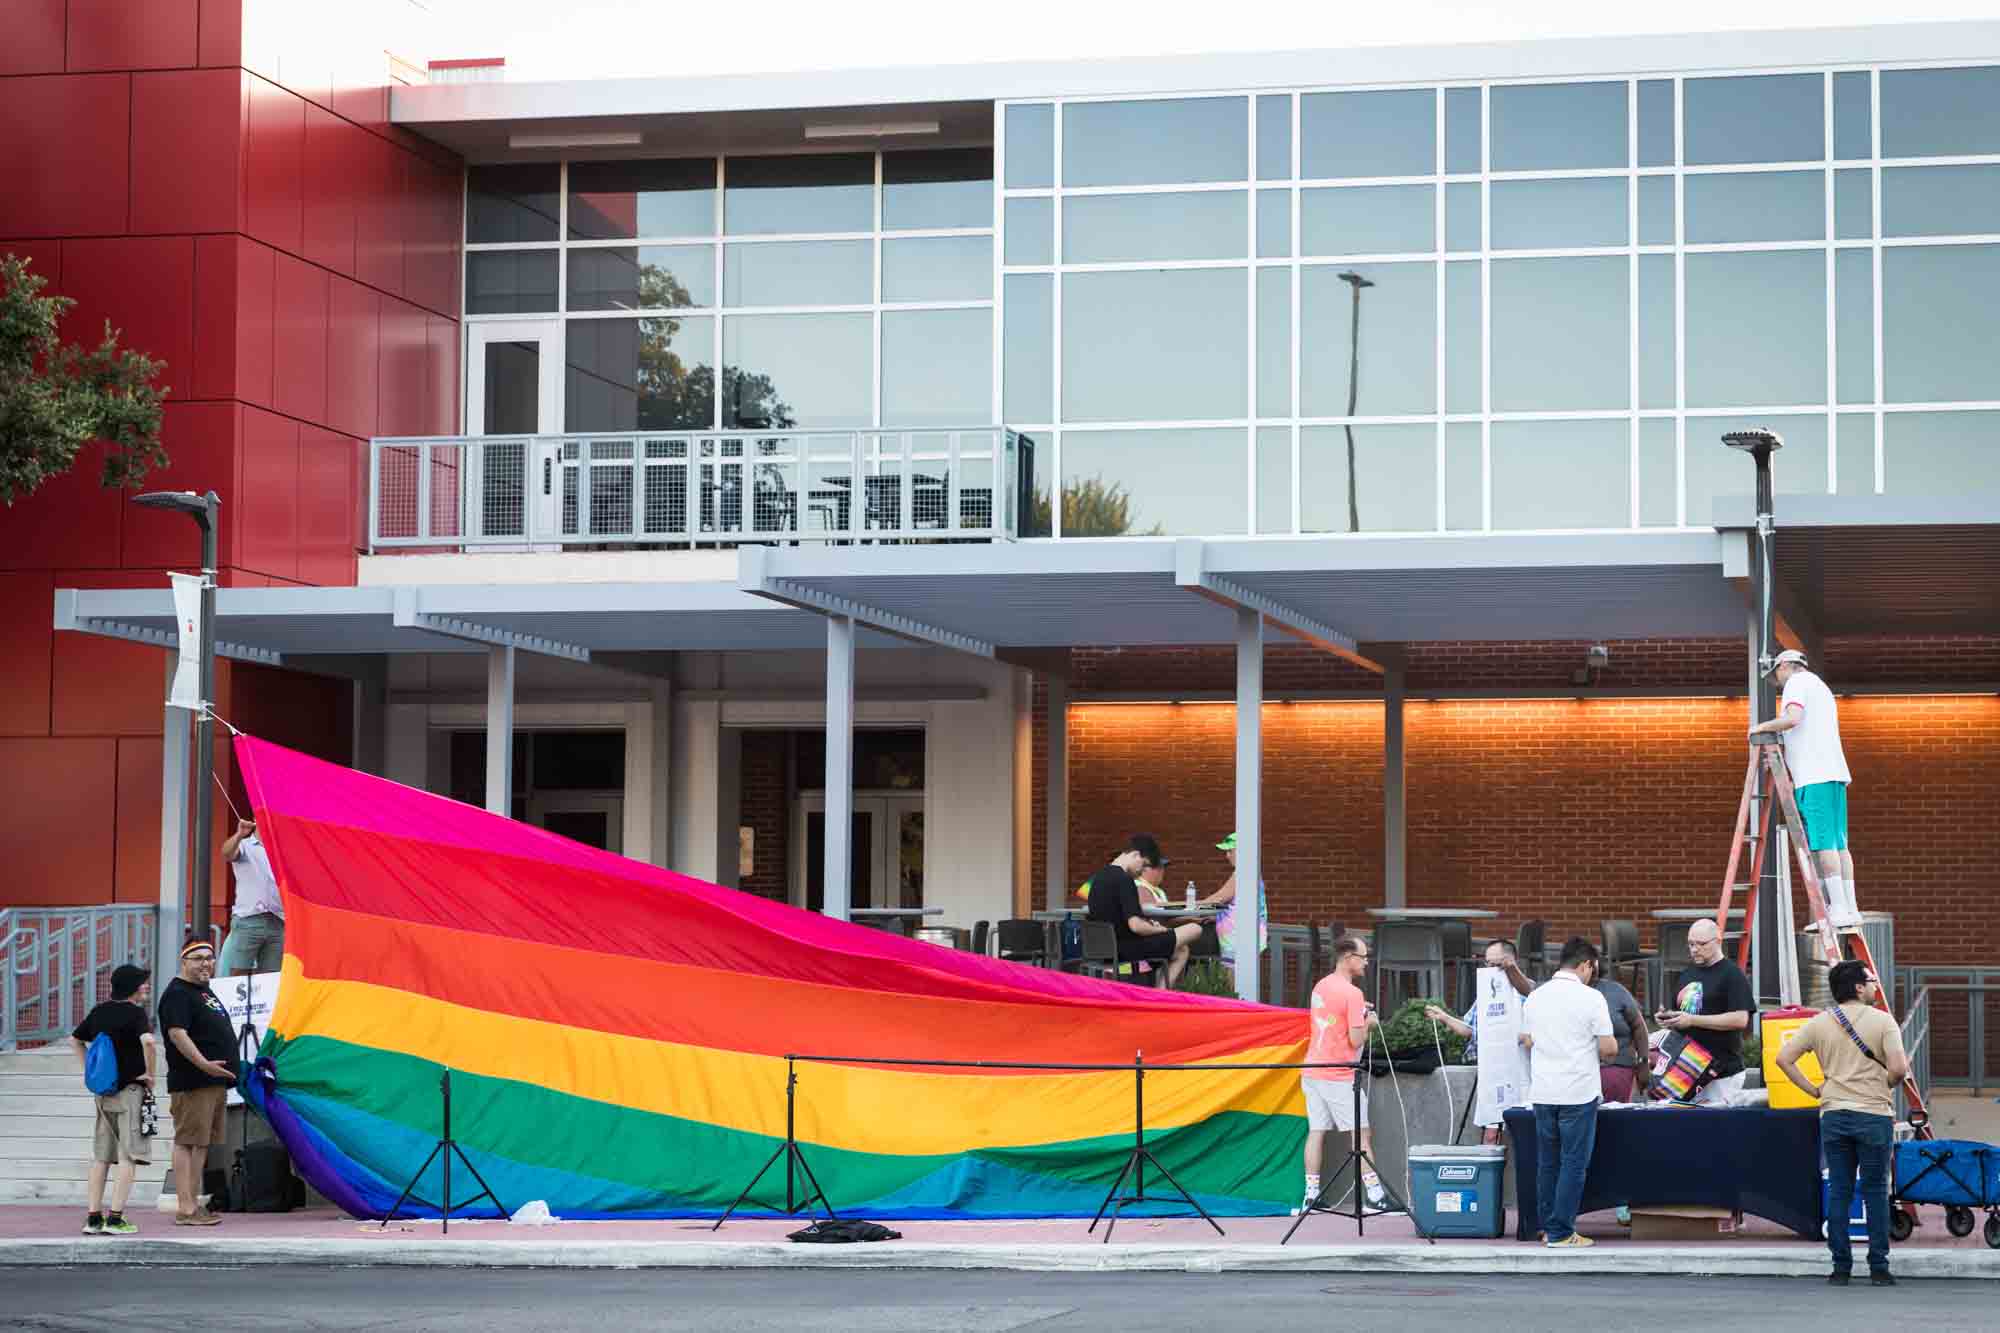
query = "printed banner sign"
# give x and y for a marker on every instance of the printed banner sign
(249, 999)
(186, 691)
(1503, 1065)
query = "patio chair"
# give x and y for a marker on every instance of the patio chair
(1408, 955)
(980, 930)
(1287, 966)
(1673, 957)
(1100, 951)
(1531, 947)
(1020, 941)
(1623, 956)
(1459, 962)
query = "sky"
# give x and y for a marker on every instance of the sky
(551, 39)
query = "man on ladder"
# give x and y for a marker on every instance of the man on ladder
(1809, 725)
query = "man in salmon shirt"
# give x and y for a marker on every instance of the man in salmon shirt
(1341, 1017)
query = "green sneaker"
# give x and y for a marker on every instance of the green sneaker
(93, 1224)
(116, 1225)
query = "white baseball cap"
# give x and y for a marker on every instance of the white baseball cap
(1791, 655)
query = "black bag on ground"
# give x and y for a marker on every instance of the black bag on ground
(844, 1230)
(264, 1180)
(215, 1184)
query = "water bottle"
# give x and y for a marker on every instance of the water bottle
(1190, 895)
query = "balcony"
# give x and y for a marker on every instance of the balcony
(710, 488)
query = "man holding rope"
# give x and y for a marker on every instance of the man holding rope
(1341, 1018)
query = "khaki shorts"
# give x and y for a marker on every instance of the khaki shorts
(1330, 1104)
(197, 1116)
(116, 1138)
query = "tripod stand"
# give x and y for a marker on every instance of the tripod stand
(795, 1160)
(1136, 1162)
(448, 1148)
(1356, 1160)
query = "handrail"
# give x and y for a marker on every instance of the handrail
(1974, 983)
(1916, 1033)
(48, 986)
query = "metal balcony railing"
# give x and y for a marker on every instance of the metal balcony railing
(697, 489)
(56, 963)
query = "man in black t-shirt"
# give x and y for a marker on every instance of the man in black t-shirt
(1114, 898)
(201, 1056)
(116, 1139)
(1713, 1006)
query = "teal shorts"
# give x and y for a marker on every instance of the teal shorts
(1823, 805)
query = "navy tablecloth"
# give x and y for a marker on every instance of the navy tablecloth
(1762, 1161)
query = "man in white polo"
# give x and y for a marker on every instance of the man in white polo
(1809, 724)
(1566, 1027)
(256, 940)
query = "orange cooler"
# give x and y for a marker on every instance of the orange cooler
(1778, 1025)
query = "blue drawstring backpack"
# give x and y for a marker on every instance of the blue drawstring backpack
(100, 1066)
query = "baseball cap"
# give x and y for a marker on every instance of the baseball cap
(126, 980)
(1228, 844)
(1789, 655)
(1147, 846)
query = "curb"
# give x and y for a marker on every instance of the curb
(1738, 1260)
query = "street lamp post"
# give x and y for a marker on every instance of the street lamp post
(205, 511)
(1760, 445)
(1355, 282)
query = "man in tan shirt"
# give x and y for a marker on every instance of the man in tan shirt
(1860, 1051)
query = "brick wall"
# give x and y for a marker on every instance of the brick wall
(766, 809)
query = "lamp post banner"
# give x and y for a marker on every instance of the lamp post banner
(186, 691)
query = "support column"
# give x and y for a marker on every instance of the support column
(1395, 817)
(175, 767)
(839, 892)
(1056, 832)
(500, 731)
(1249, 797)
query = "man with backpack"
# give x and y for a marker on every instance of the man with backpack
(114, 1044)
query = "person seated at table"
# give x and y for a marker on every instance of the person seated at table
(1115, 898)
(1224, 899)
(1149, 881)
(1500, 954)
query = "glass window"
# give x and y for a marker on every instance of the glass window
(1756, 206)
(1391, 369)
(1656, 331)
(1037, 462)
(1853, 125)
(1940, 112)
(1713, 468)
(1756, 328)
(802, 193)
(1659, 474)
(1274, 138)
(1167, 142)
(799, 273)
(1940, 322)
(1462, 131)
(1031, 235)
(641, 277)
(937, 367)
(1853, 204)
(1856, 444)
(798, 370)
(1461, 338)
(639, 374)
(1656, 210)
(510, 204)
(1464, 478)
(1561, 335)
(1031, 146)
(1155, 345)
(1368, 134)
(1027, 364)
(1462, 224)
(1764, 118)
(1558, 126)
(1274, 224)
(1656, 122)
(1940, 453)
(1562, 474)
(618, 201)
(1274, 479)
(1107, 228)
(510, 282)
(1368, 220)
(1274, 342)
(1395, 478)
(1940, 201)
(1154, 483)
(937, 187)
(1559, 214)
(937, 268)
(1854, 326)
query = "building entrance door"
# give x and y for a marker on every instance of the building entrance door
(887, 847)
(514, 373)
(594, 821)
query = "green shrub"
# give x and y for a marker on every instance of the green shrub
(1409, 1030)
(1206, 976)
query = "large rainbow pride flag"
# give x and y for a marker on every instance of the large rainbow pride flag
(616, 1035)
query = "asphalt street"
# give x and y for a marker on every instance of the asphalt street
(754, 1301)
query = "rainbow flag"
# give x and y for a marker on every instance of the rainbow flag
(616, 1035)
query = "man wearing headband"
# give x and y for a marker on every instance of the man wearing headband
(201, 1050)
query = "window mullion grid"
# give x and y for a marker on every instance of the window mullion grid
(1442, 270)
(1680, 308)
(1486, 307)
(1253, 309)
(1832, 303)
(1055, 324)
(1298, 341)
(875, 316)
(721, 295)
(1632, 292)
(1875, 283)
(999, 293)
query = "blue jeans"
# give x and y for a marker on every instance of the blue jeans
(1848, 1139)
(1564, 1137)
(256, 943)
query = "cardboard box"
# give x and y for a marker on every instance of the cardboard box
(1674, 1222)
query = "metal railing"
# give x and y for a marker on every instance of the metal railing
(1930, 985)
(56, 962)
(696, 489)
(1917, 1046)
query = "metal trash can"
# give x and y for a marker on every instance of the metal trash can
(1455, 1189)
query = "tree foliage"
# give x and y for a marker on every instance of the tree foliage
(55, 397)
(676, 395)
(1092, 507)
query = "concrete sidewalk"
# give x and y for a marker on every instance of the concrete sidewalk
(39, 1236)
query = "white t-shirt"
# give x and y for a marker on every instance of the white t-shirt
(1812, 748)
(256, 886)
(1565, 1017)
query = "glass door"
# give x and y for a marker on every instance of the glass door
(886, 850)
(514, 388)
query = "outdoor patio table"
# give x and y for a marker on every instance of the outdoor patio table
(1199, 912)
(1762, 1161)
(1690, 913)
(1431, 914)
(887, 913)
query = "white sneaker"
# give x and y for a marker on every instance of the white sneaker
(1377, 1198)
